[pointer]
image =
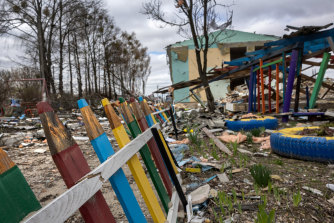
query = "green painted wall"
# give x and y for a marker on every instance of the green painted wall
(180, 72)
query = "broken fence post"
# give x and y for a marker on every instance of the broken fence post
(104, 150)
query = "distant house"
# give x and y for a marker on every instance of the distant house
(231, 45)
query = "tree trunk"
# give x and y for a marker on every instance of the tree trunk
(70, 64)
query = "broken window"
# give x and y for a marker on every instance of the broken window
(237, 52)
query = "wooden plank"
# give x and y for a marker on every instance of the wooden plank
(318, 64)
(305, 77)
(218, 143)
(152, 202)
(173, 210)
(71, 163)
(329, 114)
(66, 204)
(104, 150)
(154, 150)
(303, 38)
(319, 80)
(134, 164)
(330, 42)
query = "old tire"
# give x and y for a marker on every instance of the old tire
(284, 142)
(267, 122)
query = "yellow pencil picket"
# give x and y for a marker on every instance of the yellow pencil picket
(146, 110)
(134, 164)
(164, 114)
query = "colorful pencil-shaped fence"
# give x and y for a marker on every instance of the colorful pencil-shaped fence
(139, 115)
(16, 198)
(104, 150)
(151, 121)
(145, 153)
(66, 204)
(134, 163)
(71, 163)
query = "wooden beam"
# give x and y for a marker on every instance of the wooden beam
(305, 77)
(330, 42)
(317, 64)
(61, 208)
(218, 143)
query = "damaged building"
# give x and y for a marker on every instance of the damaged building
(231, 45)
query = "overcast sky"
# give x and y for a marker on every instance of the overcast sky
(265, 17)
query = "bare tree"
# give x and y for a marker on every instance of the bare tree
(195, 19)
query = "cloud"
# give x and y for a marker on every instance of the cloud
(267, 17)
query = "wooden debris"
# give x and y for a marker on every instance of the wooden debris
(218, 143)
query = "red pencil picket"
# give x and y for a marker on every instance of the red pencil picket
(71, 163)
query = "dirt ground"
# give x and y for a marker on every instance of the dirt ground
(288, 178)
(242, 196)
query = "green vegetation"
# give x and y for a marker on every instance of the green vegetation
(297, 197)
(260, 174)
(278, 162)
(264, 217)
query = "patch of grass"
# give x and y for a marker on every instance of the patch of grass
(255, 132)
(260, 174)
(278, 162)
(264, 217)
(296, 197)
(249, 138)
(234, 146)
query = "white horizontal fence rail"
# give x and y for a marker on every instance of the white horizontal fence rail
(158, 112)
(66, 204)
